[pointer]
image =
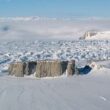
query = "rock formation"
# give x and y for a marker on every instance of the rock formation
(42, 68)
(50, 68)
(71, 68)
(17, 69)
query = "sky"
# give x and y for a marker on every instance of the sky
(55, 8)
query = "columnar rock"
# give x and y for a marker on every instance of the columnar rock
(17, 69)
(30, 68)
(50, 68)
(56, 68)
(42, 68)
(71, 68)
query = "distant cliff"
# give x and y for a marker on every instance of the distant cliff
(96, 35)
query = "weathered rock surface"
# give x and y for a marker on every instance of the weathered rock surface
(17, 69)
(71, 68)
(42, 68)
(50, 68)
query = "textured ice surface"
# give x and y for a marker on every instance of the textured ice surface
(48, 50)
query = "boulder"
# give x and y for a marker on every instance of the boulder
(17, 69)
(71, 68)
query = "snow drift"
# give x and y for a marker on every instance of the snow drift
(78, 92)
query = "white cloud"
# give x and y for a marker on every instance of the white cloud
(43, 28)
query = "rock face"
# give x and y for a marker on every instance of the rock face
(17, 69)
(50, 68)
(71, 68)
(89, 34)
(42, 68)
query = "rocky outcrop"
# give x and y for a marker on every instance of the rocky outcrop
(71, 68)
(17, 69)
(42, 68)
(50, 68)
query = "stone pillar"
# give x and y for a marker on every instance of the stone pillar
(42, 68)
(56, 68)
(71, 68)
(17, 69)
(50, 68)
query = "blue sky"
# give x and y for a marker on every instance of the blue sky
(55, 8)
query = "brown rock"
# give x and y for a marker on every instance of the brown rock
(10, 69)
(71, 68)
(50, 68)
(56, 68)
(17, 69)
(42, 68)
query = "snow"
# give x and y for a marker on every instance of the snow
(36, 38)
(77, 92)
